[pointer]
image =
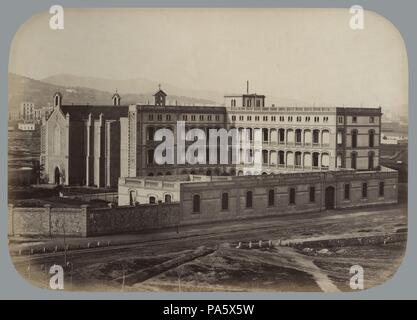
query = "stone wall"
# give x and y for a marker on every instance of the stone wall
(131, 219)
(47, 221)
(85, 221)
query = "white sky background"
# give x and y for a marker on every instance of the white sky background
(306, 54)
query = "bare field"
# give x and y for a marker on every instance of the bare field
(207, 259)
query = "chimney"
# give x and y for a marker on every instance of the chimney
(247, 86)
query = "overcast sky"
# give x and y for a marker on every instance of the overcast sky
(310, 54)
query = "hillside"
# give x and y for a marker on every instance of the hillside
(26, 89)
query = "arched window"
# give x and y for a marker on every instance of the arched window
(307, 160)
(249, 199)
(281, 157)
(167, 198)
(265, 135)
(151, 133)
(271, 198)
(339, 158)
(298, 158)
(298, 136)
(281, 135)
(354, 138)
(225, 201)
(290, 136)
(265, 156)
(196, 203)
(325, 137)
(339, 137)
(315, 159)
(307, 137)
(290, 158)
(371, 138)
(316, 136)
(152, 200)
(325, 159)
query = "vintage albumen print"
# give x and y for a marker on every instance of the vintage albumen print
(207, 150)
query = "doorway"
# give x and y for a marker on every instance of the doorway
(329, 198)
(57, 176)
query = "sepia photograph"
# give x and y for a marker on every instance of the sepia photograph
(207, 150)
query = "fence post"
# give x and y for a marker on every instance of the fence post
(10, 228)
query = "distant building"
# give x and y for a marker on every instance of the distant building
(27, 111)
(23, 126)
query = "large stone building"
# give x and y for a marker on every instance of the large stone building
(311, 159)
(205, 198)
(95, 145)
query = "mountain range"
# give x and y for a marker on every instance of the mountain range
(75, 91)
(91, 90)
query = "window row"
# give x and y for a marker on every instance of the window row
(354, 137)
(281, 118)
(186, 117)
(364, 190)
(292, 196)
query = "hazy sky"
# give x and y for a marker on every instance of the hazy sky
(309, 54)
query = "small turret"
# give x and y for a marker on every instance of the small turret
(160, 97)
(57, 100)
(116, 99)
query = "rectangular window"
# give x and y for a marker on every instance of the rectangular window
(184, 117)
(381, 188)
(371, 119)
(364, 190)
(151, 117)
(201, 117)
(196, 203)
(312, 194)
(168, 117)
(271, 198)
(354, 119)
(249, 199)
(193, 118)
(225, 201)
(340, 119)
(159, 117)
(292, 196)
(347, 191)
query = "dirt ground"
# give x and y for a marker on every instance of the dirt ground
(213, 262)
